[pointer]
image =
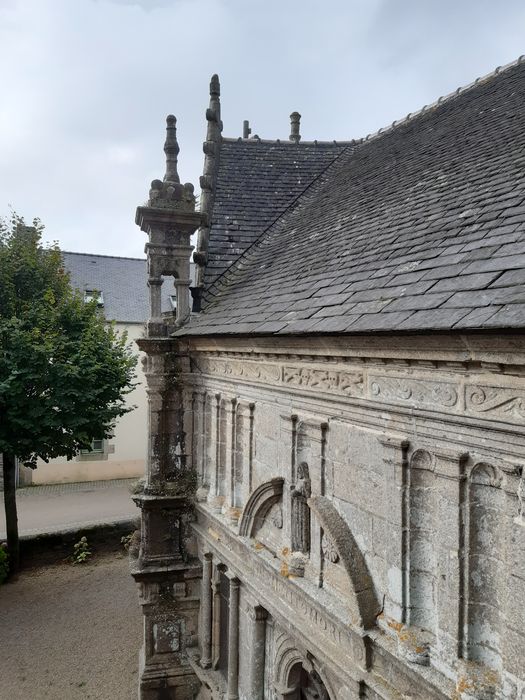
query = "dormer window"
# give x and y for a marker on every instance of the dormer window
(90, 294)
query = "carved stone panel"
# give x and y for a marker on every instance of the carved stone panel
(417, 392)
(496, 402)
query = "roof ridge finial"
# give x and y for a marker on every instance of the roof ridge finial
(215, 86)
(295, 122)
(171, 149)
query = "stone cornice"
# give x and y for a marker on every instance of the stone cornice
(508, 348)
(150, 216)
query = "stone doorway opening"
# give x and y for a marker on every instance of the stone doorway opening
(305, 685)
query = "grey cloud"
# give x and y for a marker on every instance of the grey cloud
(90, 82)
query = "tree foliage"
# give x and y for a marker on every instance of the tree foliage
(64, 371)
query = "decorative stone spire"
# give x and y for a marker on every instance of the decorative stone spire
(295, 122)
(171, 149)
(169, 193)
(211, 148)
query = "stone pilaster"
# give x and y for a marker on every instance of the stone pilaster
(451, 556)
(206, 611)
(166, 569)
(233, 641)
(257, 639)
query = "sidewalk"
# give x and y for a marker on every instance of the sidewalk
(56, 507)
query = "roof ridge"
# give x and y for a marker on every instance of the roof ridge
(286, 142)
(397, 122)
(221, 280)
(101, 255)
(440, 101)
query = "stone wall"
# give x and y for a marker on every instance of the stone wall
(366, 497)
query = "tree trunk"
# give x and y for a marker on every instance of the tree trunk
(11, 517)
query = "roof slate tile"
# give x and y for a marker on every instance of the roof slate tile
(429, 212)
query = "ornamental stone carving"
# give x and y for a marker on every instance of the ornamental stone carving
(329, 549)
(502, 402)
(414, 391)
(301, 491)
(348, 382)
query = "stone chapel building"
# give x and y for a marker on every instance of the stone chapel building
(334, 500)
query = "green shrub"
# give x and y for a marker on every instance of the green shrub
(81, 551)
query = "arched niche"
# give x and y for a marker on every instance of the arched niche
(364, 606)
(485, 558)
(296, 671)
(258, 504)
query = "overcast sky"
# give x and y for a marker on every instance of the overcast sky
(86, 86)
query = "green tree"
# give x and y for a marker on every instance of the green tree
(64, 371)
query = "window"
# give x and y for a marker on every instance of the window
(96, 446)
(90, 294)
(173, 301)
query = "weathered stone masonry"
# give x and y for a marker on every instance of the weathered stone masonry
(413, 511)
(334, 502)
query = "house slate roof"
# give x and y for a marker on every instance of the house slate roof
(256, 182)
(417, 228)
(122, 281)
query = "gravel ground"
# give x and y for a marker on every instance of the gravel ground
(71, 632)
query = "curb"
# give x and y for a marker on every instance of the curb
(53, 547)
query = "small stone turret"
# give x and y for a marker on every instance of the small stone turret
(295, 123)
(169, 219)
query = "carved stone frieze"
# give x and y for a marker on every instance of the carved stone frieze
(347, 382)
(497, 401)
(421, 392)
(258, 371)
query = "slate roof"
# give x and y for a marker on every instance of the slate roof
(256, 182)
(420, 227)
(122, 281)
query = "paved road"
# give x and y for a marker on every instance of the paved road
(71, 632)
(61, 506)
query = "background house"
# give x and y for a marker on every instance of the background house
(120, 284)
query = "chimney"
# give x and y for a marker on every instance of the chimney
(246, 131)
(295, 121)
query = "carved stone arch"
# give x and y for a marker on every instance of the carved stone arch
(258, 505)
(287, 658)
(486, 474)
(364, 606)
(422, 459)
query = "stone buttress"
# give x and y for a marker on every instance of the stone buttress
(166, 569)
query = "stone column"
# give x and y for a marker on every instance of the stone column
(257, 616)
(206, 610)
(233, 641)
(216, 618)
(230, 449)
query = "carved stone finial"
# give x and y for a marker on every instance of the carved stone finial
(171, 149)
(169, 193)
(295, 122)
(215, 86)
(246, 131)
